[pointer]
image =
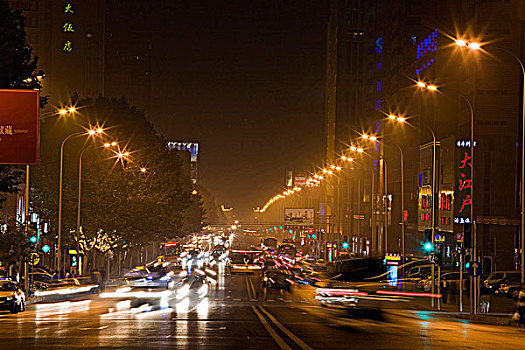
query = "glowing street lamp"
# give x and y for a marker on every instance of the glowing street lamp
(477, 46)
(79, 197)
(90, 132)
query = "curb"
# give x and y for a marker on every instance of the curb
(495, 320)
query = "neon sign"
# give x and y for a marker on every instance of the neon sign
(68, 46)
(463, 186)
(68, 28)
(464, 143)
(379, 45)
(68, 8)
(427, 45)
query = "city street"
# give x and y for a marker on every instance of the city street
(237, 313)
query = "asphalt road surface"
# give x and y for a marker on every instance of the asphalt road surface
(238, 314)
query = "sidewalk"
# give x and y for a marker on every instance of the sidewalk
(500, 313)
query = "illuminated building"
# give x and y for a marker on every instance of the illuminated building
(193, 149)
(376, 50)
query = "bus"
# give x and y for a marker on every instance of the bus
(171, 250)
(245, 260)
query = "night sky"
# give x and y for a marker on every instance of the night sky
(246, 80)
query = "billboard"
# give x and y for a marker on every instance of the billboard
(192, 147)
(299, 180)
(298, 216)
(463, 187)
(19, 134)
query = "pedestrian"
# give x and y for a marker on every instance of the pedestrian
(521, 308)
(444, 291)
(452, 293)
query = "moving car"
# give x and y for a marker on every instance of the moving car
(277, 279)
(245, 261)
(287, 250)
(12, 297)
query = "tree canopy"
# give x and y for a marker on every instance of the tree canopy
(136, 200)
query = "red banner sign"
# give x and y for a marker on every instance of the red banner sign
(19, 134)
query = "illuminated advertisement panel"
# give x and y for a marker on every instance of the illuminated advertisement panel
(19, 134)
(298, 216)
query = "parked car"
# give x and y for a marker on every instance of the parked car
(509, 286)
(497, 276)
(446, 278)
(12, 297)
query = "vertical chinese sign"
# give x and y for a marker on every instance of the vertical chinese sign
(19, 135)
(68, 27)
(463, 187)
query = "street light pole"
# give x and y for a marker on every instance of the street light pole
(522, 187)
(59, 244)
(91, 132)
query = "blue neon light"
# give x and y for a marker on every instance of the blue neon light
(428, 44)
(379, 45)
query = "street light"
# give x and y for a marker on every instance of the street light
(372, 190)
(91, 132)
(477, 46)
(79, 197)
(433, 88)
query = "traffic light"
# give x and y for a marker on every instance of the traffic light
(33, 239)
(428, 245)
(467, 236)
(345, 245)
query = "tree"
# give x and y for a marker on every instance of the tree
(17, 71)
(18, 64)
(122, 207)
(14, 243)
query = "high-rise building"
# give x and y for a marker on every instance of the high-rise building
(377, 51)
(193, 149)
(128, 51)
(68, 38)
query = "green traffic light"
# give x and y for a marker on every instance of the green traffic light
(345, 245)
(467, 265)
(428, 246)
(33, 239)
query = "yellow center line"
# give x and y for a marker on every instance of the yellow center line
(248, 288)
(285, 330)
(254, 293)
(282, 344)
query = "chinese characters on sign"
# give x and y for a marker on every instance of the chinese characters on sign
(446, 204)
(68, 27)
(463, 187)
(19, 136)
